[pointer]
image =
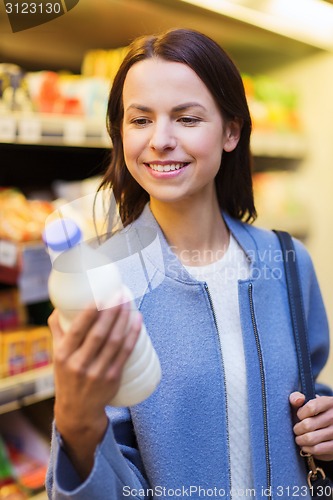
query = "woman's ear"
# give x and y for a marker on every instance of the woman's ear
(233, 131)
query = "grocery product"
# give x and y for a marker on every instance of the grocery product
(14, 353)
(24, 349)
(82, 276)
(22, 219)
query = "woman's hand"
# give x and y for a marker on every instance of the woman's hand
(314, 430)
(88, 363)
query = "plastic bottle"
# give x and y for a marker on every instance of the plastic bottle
(83, 276)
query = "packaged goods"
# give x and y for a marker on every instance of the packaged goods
(24, 349)
(12, 313)
(14, 353)
(39, 347)
(27, 450)
(21, 219)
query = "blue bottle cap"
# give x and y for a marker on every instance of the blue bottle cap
(62, 234)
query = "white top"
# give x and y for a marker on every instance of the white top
(222, 279)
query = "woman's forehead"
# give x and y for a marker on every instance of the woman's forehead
(156, 78)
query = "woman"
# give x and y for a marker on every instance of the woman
(220, 422)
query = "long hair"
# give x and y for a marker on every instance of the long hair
(220, 75)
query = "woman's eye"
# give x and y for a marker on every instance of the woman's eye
(141, 122)
(189, 120)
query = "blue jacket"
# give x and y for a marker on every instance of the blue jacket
(178, 437)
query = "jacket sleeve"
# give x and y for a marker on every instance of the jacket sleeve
(117, 472)
(314, 310)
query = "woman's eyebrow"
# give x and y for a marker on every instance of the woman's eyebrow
(139, 107)
(179, 107)
(187, 105)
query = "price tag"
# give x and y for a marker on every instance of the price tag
(8, 253)
(74, 131)
(7, 129)
(29, 130)
(33, 280)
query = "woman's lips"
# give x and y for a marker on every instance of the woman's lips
(166, 169)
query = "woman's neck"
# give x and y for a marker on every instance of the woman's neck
(197, 234)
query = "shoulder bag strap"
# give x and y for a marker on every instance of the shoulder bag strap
(297, 314)
(317, 480)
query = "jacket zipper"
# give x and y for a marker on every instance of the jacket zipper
(224, 382)
(263, 388)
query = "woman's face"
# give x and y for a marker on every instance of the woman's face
(173, 132)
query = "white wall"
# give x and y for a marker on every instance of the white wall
(314, 79)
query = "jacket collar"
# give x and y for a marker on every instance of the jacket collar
(170, 265)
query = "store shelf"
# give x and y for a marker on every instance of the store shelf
(28, 265)
(53, 130)
(26, 388)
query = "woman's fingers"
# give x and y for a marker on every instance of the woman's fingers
(65, 343)
(315, 407)
(314, 430)
(312, 424)
(87, 334)
(105, 334)
(127, 348)
(93, 352)
(315, 437)
(296, 399)
(115, 343)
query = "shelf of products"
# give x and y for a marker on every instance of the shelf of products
(26, 375)
(53, 130)
(24, 455)
(26, 388)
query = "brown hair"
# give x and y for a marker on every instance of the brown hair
(221, 77)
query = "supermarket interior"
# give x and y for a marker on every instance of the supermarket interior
(54, 147)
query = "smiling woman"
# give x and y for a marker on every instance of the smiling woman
(216, 99)
(220, 422)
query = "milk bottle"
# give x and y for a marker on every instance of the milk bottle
(82, 276)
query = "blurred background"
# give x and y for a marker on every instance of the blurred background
(54, 82)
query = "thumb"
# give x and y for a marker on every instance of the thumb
(296, 399)
(54, 326)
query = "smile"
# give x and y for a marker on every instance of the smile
(167, 167)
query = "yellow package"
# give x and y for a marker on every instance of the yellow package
(14, 353)
(39, 342)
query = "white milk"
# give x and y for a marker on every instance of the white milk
(83, 276)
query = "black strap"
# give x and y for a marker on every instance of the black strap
(321, 486)
(297, 314)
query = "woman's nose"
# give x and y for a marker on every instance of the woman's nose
(162, 137)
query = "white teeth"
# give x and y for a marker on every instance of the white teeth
(166, 168)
